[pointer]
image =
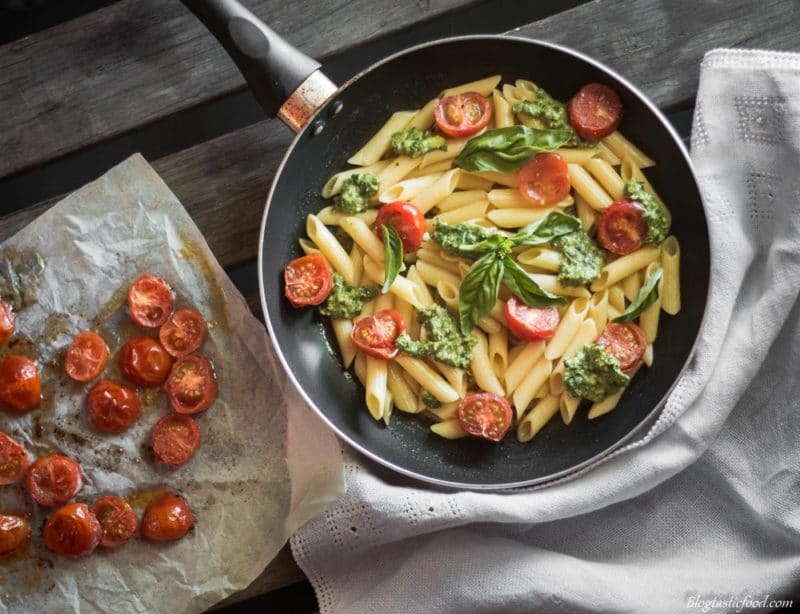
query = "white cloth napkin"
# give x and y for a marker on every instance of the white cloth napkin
(708, 508)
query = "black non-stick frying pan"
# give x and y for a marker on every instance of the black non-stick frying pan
(341, 123)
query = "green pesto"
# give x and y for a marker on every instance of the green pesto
(444, 342)
(593, 373)
(453, 237)
(356, 190)
(652, 212)
(581, 259)
(414, 142)
(550, 111)
(346, 301)
(429, 400)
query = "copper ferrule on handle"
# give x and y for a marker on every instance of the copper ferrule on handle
(309, 96)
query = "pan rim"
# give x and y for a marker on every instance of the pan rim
(539, 482)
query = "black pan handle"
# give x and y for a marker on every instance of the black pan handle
(273, 68)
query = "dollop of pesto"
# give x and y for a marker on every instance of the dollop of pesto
(652, 212)
(355, 194)
(581, 259)
(414, 142)
(552, 112)
(593, 373)
(456, 239)
(429, 400)
(346, 301)
(444, 341)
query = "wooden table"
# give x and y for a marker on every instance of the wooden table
(105, 79)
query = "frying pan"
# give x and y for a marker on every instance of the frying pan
(331, 125)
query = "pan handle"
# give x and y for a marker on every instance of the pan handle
(285, 81)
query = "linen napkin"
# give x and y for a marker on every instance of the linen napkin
(701, 512)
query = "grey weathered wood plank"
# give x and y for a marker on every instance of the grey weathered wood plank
(138, 60)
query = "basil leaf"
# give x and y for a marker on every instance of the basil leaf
(554, 224)
(459, 239)
(492, 243)
(478, 291)
(520, 283)
(392, 256)
(506, 149)
(646, 297)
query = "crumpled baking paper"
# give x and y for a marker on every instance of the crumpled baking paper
(247, 490)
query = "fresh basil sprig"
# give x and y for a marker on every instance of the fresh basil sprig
(646, 297)
(478, 291)
(520, 283)
(392, 256)
(554, 224)
(506, 149)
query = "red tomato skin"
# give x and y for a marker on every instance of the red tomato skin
(531, 323)
(117, 520)
(407, 220)
(144, 361)
(20, 384)
(39, 474)
(82, 344)
(451, 118)
(113, 408)
(622, 228)
(72, 530)
(14, 458)
(175, 447)
(299, 271)
(199, 368)
(595, 111)
(375, 334)
(183, 332)
(544, 180)
(154, 312)
(626, 342)
(478, 414)
(15, 533)
(7, 322)
(167, 518)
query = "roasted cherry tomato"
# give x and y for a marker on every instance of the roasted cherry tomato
(7, 321)
(20, 386)
(622, 228)
(484, 414)
(86, 357)
(407, 220)
(626, 342)
(113, 408)
(167, 518)
(15, 533)
(150, 301)
(463, 115)
(544, 180)
(183, 333)
(308, 280)
(531, 323)
(144, 361)
(192, 385)
(72, 530)
(175, 439)
(13, 460)
(375, 335)
(595, 111)
(117, 520)
(53, 480)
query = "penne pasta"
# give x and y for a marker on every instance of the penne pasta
(449, 429)
(423, 119)
(436, 191)
(623, 266)
(363, 236)
(648, 320)
(330, 217)
(377, 392)
(586, 186)
(454, 147)
(607, 177)
(575, 313)
(334, 185)
(483, 86)
(481, 366)
(407, 189)
(530, 384)
(403, 396)
(426, 377)
(522, 363)
(373, 150)
(537, 417)
(541, 258)
(670, 285)
(459, 199)
(395, 171)
(331, 248)
(473, 211)
(341, 331)
(587, 333)
(503, 117)
(622, 148)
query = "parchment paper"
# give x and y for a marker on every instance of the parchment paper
(246, 490)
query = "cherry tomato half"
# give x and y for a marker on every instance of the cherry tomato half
(375, 335)
(595, 111)
(407, 220)
(167, 518)
(13, 460)
(622, 228)
(531, 323)
(484, 414)
(192, 385)
(183, 333)
(20, 386)
(86, 357)
(175, 439)
(462, 115)
(626, 342)
(7, 321)
(544, 180)
(308, 280)
(53, 480)
(117, 520)
(15, 533)
(144, 361)
(113, 408)
(150, 301)
(72, 530)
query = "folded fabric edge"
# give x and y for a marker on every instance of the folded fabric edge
(750, 58)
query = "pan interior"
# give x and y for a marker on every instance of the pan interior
(308, 348)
